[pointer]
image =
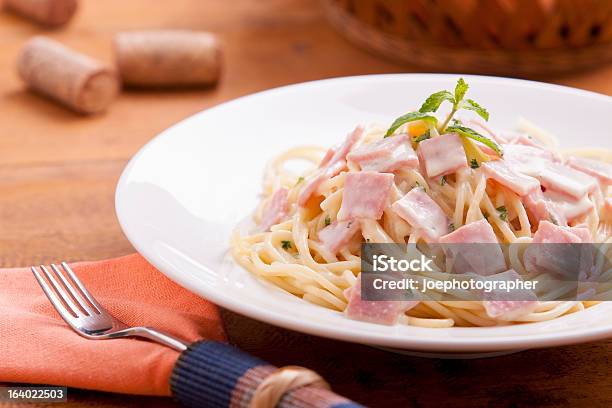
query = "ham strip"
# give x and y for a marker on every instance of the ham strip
(504, 136)
(331, 165)
(442, 155)
(365, 195)
(528, 160)
(385, 155)
(568, 207)
(508, 306)
(509, 310)
(343, 150)
(422, 213)
(338, 234)
(541, 208)
(474, 232)
(566, 180)
(465, 251)
(501, 172)
(548, 233)
(607, 210)
(327, 158)
(598, 169)
(310, 189)
(335, 159)
(581, 232)
(567, 258)
(479, 125)
(521, 139)
(381, 311)
(276, 210)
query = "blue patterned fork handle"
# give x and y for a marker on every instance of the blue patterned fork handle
(213, 374)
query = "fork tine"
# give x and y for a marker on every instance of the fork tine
(62, 293)
(82, 288)
(57, 304)
(75, 293)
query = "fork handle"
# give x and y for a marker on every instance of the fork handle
(214, 374)
(155, 335)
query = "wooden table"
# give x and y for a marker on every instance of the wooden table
(58, 173)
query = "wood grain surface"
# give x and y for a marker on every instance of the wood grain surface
(58, 172)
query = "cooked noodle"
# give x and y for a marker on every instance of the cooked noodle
(309, 270)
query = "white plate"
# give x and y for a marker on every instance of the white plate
(180, 197)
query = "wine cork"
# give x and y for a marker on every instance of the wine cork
(53, 13)
(76, 80)
(168, 58)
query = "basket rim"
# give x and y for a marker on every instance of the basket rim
(333, 9)
(491, 61)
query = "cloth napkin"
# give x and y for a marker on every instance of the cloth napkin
(38, 347)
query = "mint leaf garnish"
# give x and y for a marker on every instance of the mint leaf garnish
(472, 134)
(411, 117)
(435, 100)
(460, 90)
(470, 104)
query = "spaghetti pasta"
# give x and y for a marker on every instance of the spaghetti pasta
(291, 255)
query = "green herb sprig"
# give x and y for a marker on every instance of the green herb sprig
(411, 117)
(472, 134)
(457, 99)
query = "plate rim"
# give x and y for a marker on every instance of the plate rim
(443, 343)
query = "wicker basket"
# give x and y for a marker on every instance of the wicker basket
(510, 37)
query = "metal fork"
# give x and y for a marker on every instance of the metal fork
(86, 316)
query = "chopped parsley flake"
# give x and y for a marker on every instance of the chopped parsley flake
(327, 220)
(474, 164)
(286, 244)
(554, 220)
(503, 213)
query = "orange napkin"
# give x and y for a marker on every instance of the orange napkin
(38, 347)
